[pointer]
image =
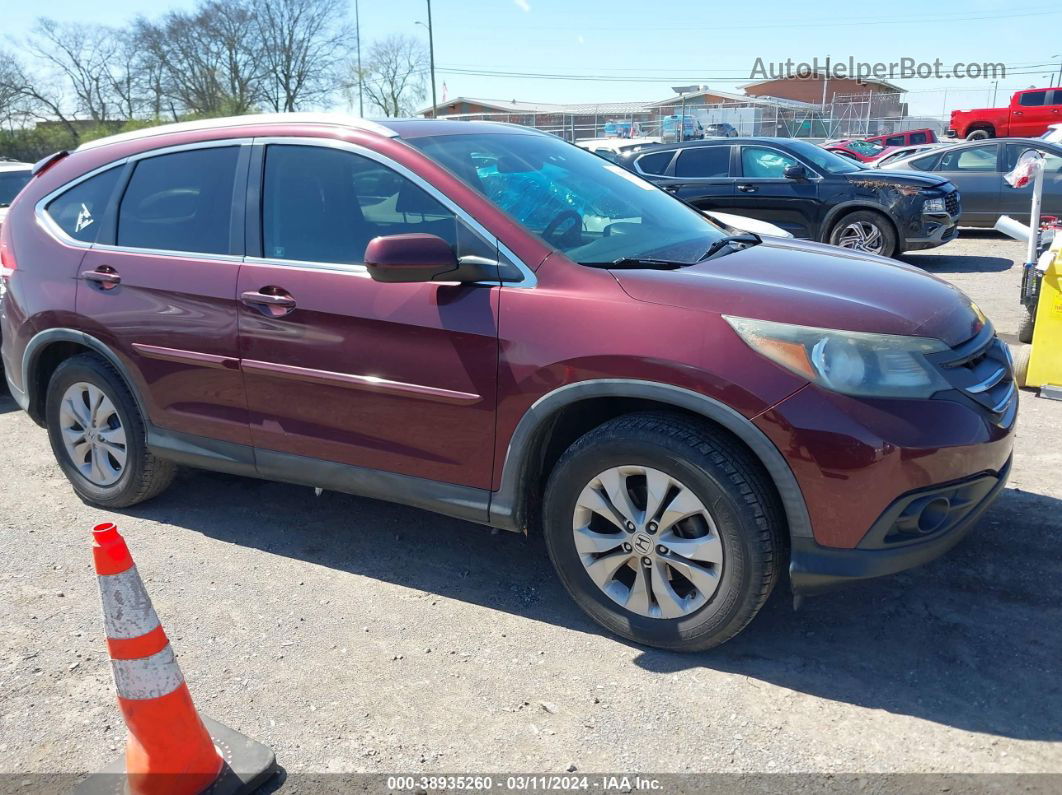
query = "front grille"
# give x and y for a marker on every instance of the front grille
(982, 371)
(951, 202)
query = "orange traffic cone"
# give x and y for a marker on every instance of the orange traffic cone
(169, 749)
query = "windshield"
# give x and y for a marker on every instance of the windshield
(823, 159)
(592, 210)
(11, 182)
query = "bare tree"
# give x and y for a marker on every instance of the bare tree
(26, 96)
(394, 74)
(81, 56)
(208, 60)
(305, 44)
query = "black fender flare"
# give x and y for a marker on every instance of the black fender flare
(507, 505)
(43, 339)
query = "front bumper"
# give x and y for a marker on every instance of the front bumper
(936, 231)
(896, 542)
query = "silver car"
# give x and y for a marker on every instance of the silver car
(977, 168)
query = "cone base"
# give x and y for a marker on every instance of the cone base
(248, 765)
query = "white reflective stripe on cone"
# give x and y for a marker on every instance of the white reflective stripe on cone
(148, 677)
(127, 610)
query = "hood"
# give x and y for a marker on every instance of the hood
(812, 284)
(897, 178)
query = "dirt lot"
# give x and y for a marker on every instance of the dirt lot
(353, 635)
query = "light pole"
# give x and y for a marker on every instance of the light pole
(357, 39)
(431, 61)
(1059, 83)
(682, 91)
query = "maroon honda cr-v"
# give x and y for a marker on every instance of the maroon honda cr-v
(485, 321)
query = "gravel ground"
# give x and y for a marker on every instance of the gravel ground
(353, 635)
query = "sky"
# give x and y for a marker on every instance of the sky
(637, 50)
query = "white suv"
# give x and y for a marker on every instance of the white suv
(13, 176)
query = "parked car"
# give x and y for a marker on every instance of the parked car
(720, 130)
(898, 152)
(13, 177)
(976, 168)
(810, 192)
(923, 135)
(622, 129)
(612, 148)
(691, 129)
(1053, 134)
(1028, 115)
(682, 413)
(860, 151)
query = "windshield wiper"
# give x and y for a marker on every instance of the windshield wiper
(639, 262)
(733, 242)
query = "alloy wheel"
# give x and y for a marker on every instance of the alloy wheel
(93, 434)
(648, 542)
(861, 236)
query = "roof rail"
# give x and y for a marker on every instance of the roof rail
(332, 119)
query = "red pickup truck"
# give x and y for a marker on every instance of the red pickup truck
(1027, 116)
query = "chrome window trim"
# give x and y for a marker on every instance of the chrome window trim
(529, 279)
(54, 230)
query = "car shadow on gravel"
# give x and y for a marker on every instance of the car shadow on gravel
(971, 641)
(943, 261)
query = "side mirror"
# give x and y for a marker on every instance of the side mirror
(795, 171)
(409, 258)
(424, 258)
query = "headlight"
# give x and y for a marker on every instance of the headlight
(852, 362)
(934, 206)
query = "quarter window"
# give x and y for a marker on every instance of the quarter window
(703, 161)
(325, 205)
(180, 202)
(79, 211)
(655, 163)
(918, 138)
(762, 163)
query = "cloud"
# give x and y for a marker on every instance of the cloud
(523, 5)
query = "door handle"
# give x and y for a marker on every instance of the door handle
(747, 188)
(275, 303)
(105, 276)
(1018, 113)
(672, 188)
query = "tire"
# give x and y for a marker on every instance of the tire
(841, 233)
(96, 477)
(1027, 324)
(1021, 355)
(979, 134)
(703, 464)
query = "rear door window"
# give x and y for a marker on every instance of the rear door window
(1033, 99)
(918, 138)
(180, 202)
(325, 205)
(977, 158)
(79, 210)
(704, 162)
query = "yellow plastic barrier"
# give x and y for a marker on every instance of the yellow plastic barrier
(1045, 360)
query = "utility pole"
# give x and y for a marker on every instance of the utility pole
(431, 63)
(1059, 83)
(357, 39)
